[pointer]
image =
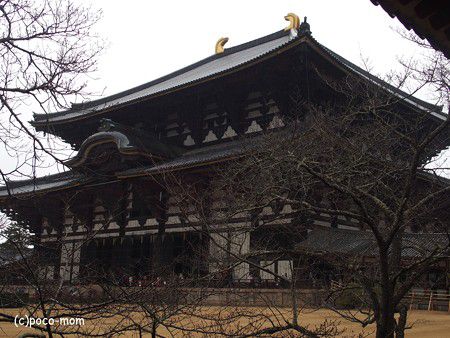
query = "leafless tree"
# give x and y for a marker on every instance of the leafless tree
(109, 304)
(47, 49)
(209, 204)
(366, 158)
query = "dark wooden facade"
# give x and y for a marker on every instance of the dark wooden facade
(110, 211)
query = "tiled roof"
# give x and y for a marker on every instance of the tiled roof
(213, 65)
(194, 157)
(362, 243)
(217, 65)
(126, 139)
(189, 159)
(40, 184)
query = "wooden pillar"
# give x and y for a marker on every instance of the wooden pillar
(240, 246)
(70, 261)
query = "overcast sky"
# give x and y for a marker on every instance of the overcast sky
(148, 39)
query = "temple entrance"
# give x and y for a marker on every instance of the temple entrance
(116, 259)
(189, 249)
(121, 260)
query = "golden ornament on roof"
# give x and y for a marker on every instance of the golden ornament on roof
(294, 21)
(219, 45)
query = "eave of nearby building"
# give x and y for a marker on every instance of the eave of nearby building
(429, 19)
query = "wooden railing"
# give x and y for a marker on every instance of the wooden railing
(416, 299)
(431, 299)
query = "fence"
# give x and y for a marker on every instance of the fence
(431, 300)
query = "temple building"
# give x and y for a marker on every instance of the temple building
(184, 122)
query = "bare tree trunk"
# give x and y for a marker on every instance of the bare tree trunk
(154, 326)
(294, 304)
(401, 324)
(386, 319)
(386, 325)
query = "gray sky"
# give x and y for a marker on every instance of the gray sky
(148, 39)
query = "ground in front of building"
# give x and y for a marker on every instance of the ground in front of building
(426, 324)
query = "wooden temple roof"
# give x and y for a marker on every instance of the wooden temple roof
(191, 158)
(231, 60)
(412, 100)
(194, 158)
(127, 140)
(41, 184)
(214, 65)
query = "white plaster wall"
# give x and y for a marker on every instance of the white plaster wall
(240, 245)
(70, 261)
(269, 265)
(285, 268)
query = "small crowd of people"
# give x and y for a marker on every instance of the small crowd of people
(156, 281)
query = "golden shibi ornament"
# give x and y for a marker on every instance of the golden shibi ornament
(294, 21)
(219, 45)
